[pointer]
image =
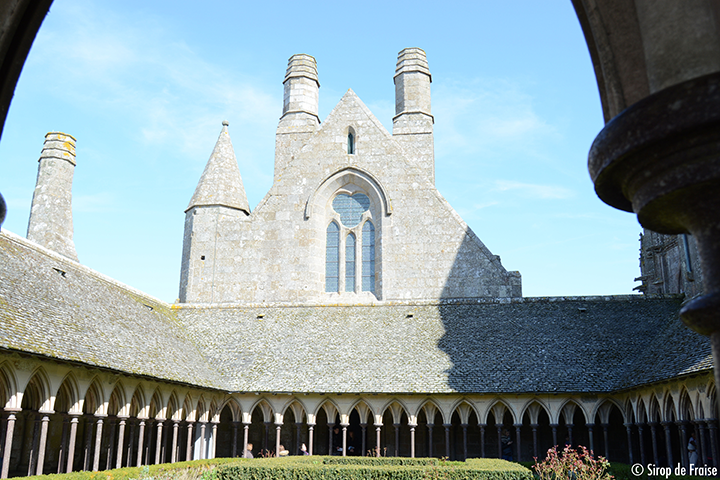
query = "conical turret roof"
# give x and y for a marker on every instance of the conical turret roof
(221, 183)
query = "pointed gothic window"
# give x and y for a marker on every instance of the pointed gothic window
(350, 263)
(332, 258)
(351, 143)
(368, 257)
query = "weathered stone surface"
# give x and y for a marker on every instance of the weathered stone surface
(51, 222)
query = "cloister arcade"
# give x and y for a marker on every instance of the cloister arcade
(60, 418)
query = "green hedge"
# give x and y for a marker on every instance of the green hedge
(189, 470)
(361, 468)
(380, 461)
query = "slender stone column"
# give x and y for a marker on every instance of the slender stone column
(447, 439)
(148, 441)
(628, 427)
(98, 444)
(111, 445)
(344, 437)
(214, 440)
(700, 442)
(570, 433)
(158, 442)
(62, 454)
(43, 442)
(189, 446)
(7, 449)
(499, 433)
(534, 427)
(234, 439)
(88, 441)
(517, 440)
(412, 441)
(554, 427)
(174, 452)
(641, 436)
(141, 438)
(397, 439)
(591, 437)
(465, 449)
(32, 461)
(246, 432)
(668, 443)
(607, 444)
(71, 443)
(330, 439)
(131, 443)
(378, 427)
(298, 426)
(682, 425)
(311, 437)
(653, 433)
(430, 438)
(278, 427)
(712, 426)
(482, 440)
(122, 421)
(203, 450)
(364, 439)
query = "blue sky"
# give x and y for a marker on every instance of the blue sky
(144, 87)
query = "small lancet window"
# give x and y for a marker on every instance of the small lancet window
(368, 257)
(332, 258)
(351, 143)
(350, 263)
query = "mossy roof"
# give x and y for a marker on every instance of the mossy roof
(54, 307)
(57, 308)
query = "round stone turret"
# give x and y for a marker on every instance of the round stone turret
(301, 85)
(51, 223)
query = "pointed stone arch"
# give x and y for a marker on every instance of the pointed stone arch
(364, 410)
(602, 409)
(430, 408)
(331, 410)
(686, 410)
(9, 388)
(397, 408)
(499, 407)
(569, 407)
(173, 406)
(235, 408)
(36, 395)
(157, 406)
(188, 408)
(138, 405)
(116, 402)
(464, 409)
(532, 409)
(297, 408)
(641, 410)
(316, 202)
(94, 400)
(265, 408)
(202, 411)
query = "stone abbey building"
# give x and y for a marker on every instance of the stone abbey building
(352, 310)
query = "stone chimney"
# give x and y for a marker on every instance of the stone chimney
(300, 109)
(413, 122)
(51, 223)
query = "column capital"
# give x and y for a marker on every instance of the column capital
(517, 425)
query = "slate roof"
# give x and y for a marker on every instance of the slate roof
(54, 307)
(591, 344)
(57, 308)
